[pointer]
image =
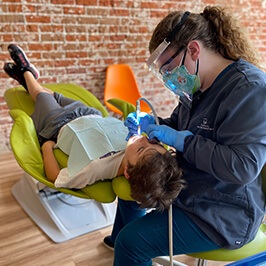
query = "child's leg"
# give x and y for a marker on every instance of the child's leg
(64, 101)
(24, 72)
(28, 81)
(34, 87)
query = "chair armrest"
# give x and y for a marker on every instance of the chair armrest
(61, 157)
(25, 144)
(125, 107)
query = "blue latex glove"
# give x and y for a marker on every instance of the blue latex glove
(168, 135)
(132, 123)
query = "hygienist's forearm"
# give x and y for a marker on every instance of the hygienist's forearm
(51, 166)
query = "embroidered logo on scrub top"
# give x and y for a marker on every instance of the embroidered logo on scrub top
(204, 125)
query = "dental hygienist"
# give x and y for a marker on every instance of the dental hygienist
(218, 129)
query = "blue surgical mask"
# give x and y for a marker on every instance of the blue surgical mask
(180, 81)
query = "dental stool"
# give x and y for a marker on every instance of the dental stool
(60, 212)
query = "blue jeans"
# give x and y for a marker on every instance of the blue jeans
(138, 237)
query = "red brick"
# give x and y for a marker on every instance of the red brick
(74, 38)
(74, 10)
(32, 28)
(50, 28)
(52, 37)
(150, 5)
(63, 2)
(15, 18)
(11, 1)
(76, 54)
(96, 11)
(39, 19)
(119, 12)
(87, 2)
(40, 46)
(15, 8)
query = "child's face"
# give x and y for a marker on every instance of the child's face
(137, 146)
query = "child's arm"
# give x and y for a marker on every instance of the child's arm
(51, 165)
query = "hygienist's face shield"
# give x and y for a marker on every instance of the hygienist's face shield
(153, 62)
(173, 75)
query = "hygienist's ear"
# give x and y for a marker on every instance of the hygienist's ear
(193, 49)
(125, 173)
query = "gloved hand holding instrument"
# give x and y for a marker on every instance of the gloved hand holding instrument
(134, 121)
(162, 133)
(168, 135)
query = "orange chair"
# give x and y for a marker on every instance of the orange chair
(121, 84)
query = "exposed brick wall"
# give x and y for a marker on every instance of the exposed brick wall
(75, 40)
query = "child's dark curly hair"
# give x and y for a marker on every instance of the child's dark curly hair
(155, 180)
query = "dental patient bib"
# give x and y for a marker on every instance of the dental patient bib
(90, 137)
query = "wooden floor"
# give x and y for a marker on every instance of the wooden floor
(22, 243)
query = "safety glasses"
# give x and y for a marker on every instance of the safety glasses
(170, 64)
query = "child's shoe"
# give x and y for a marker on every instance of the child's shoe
(21, 60)
(14, 72)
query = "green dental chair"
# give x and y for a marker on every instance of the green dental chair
(51, 208)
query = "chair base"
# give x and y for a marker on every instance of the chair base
(61, 216)
(165, 261)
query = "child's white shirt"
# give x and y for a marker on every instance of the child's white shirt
(105, 167)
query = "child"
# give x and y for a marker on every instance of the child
(148, 166)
